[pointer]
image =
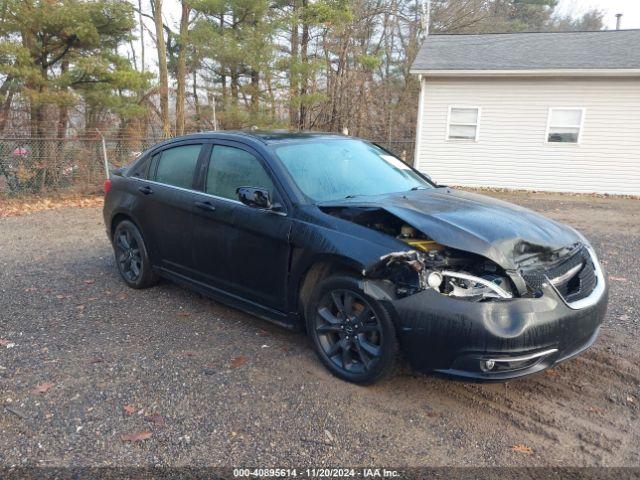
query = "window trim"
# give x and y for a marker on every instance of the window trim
(477, 124)
(580, 127)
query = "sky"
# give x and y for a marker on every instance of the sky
(629, 8)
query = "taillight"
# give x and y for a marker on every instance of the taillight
(107, 186)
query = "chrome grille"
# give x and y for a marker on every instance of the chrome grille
(574, 278)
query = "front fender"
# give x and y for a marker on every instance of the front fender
(312, 244)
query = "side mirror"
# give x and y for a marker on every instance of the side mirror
(255, 197)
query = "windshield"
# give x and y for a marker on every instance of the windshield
(335, 169)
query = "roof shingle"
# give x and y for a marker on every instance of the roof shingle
(608, 49)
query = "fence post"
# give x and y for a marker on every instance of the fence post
(104, 154)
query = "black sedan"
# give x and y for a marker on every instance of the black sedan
(337, 236)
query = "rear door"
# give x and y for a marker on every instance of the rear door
(238, 248)
(169, 194)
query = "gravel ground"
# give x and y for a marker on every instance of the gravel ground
(86, 362)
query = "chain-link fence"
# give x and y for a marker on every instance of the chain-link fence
(45, 166)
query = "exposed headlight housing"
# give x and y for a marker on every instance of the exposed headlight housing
(471, 287)
(435, 279)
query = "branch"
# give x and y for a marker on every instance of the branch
(70, 41)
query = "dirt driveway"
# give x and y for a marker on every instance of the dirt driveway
(86, 362)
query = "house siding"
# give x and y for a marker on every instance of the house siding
(512, 152)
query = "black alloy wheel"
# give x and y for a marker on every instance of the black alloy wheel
(131, 256)
(352, 332)
(128, 255)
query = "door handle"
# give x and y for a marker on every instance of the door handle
(206, 206)
(146, 190)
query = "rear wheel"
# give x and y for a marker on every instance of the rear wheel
(132, 257)
(352, 333)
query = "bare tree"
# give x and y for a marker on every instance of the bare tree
(162, 67)
(183, 42)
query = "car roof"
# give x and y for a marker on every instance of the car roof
(263, 136)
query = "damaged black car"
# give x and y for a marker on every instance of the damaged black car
(375, 261)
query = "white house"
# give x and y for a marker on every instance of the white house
(535, 111)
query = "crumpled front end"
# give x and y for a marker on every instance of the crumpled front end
(494, 337)
(494, 340)
(466, 314)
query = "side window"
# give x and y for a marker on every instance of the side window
(565, 125)
(177, 165)
(230, 168)
(140, 169)
(464, 123)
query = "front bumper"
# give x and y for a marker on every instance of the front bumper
(522, 335)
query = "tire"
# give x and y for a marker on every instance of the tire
(352, 333)
(132, 257)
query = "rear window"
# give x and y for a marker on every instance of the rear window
(140, 169)
(177, 166)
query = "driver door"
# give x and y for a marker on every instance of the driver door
(240, 249)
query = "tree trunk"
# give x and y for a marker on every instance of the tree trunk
(162, 66)
(6, 91)
(235, 90)
(293, 75)
(304, 58)
(196, 100)
(182, 68)
(141, 36)
(255, 91)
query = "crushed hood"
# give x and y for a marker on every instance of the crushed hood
(497, 230)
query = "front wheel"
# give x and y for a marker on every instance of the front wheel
(352, 333)
(132, 257)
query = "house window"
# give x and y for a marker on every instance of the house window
(463, 123)
(565, 125)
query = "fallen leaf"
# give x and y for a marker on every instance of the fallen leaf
(30, 289)
(328, 435)
(60, 297)
(630, 399)
(89, 281)
(129, 409)
(42, 387)
(123, 296)
(595, 410)
(4, 342)
(238, 361)
(136, 437)
(32, 204)
(618, 279)
(551, 373)
(522, 449)
(155, 418)
(183, 314)
(96, 360)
